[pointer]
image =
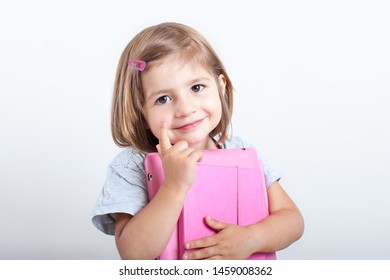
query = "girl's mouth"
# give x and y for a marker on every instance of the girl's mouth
(191, 125)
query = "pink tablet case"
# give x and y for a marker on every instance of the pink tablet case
(229, 186)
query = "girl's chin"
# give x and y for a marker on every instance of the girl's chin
(191, 142)
(201, 144)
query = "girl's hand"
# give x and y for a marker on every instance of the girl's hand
(231, 242)
(179, 161)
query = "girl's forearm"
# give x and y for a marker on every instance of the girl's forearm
(277, 231)
(147, 233)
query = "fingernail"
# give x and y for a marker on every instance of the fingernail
(187, 246)
(185, 257)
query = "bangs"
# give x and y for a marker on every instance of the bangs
(192, 52)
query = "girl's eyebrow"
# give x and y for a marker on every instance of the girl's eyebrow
(198, 80)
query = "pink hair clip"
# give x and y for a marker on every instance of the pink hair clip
(137, 64)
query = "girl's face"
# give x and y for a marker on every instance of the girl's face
(186, 97)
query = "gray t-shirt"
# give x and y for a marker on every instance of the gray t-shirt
(125, 188)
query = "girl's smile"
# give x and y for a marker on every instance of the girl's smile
(190, 125)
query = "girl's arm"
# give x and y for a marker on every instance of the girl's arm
(146, 234)
(280, 229)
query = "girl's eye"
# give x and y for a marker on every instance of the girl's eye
(197, 88)
(163, 99)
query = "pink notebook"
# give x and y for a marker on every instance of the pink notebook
(229, 186)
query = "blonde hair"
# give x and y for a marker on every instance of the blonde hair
(128, 125)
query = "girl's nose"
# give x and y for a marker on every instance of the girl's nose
(185, 106)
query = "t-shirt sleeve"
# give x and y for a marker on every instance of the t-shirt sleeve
(124, 190)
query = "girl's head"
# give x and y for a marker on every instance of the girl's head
(177, 58)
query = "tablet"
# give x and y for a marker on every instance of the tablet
(229, 186)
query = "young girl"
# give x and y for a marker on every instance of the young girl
(173, 95)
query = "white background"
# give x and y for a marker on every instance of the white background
(312, 86)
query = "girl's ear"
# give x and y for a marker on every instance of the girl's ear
(222, 83)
